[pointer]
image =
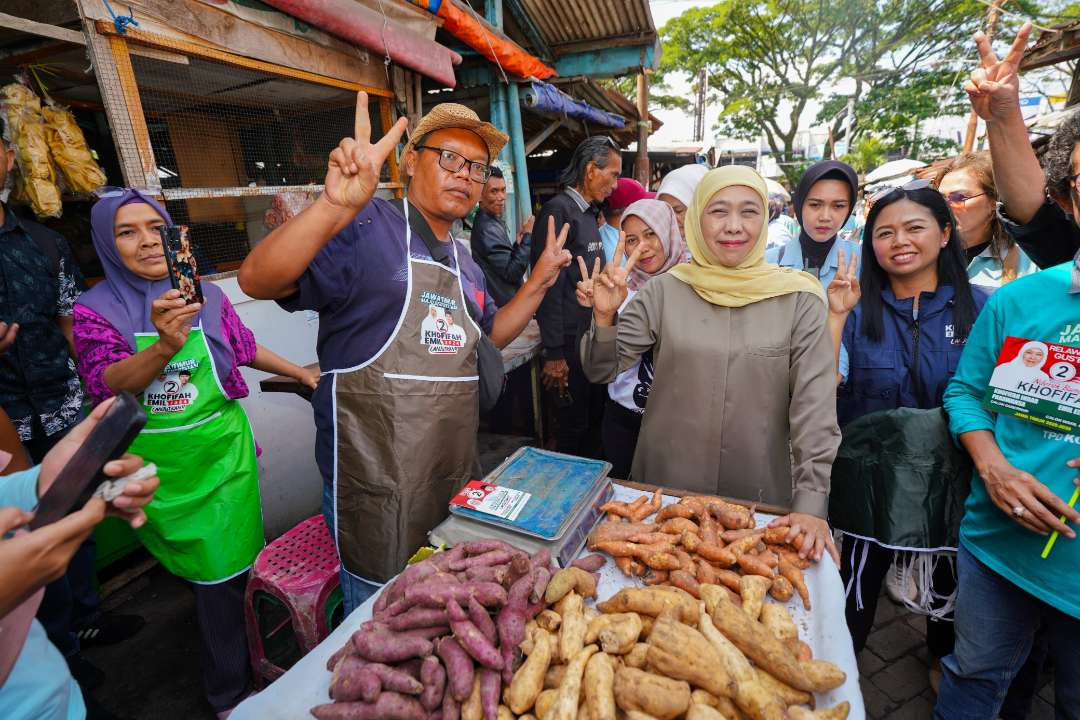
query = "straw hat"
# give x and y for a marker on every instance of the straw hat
(453, 115)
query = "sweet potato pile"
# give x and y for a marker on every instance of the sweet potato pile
(702, 540)
(657, 653)
(443, 640)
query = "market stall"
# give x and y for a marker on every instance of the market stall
(823, 629)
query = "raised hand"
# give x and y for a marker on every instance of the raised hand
(609, 288)
(7, 335)
(584, 289)
(554, 258)
(844, 291)
(352, 174)
(994, 86)
(172, 318)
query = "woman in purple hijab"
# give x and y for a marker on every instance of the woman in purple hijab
(134, 332)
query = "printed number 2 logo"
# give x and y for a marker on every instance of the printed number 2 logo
(1062, 371)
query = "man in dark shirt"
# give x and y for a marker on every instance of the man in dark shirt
(400, 312)
(1040, 204)
(502, 261)
(588, 181)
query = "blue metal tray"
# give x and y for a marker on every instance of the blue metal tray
(559, 484)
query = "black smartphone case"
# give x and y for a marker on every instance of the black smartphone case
(82, 474)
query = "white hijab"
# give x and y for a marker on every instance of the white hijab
(680, 183)
(1016, 371)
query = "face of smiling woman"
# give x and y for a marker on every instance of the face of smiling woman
(907, 239)
(731, 223)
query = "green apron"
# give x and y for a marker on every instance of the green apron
(205, 522)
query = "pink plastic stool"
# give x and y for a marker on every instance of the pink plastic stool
(286, 602)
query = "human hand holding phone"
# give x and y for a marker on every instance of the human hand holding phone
(172, 318)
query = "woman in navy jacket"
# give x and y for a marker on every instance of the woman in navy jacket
(903, 322)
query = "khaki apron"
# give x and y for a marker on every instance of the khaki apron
(405, 425)
(205, 521)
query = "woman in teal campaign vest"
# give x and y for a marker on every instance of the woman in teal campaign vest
(133, 332)
(1010, 588)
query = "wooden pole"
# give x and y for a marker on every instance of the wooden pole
(641, 165)
(992, 16)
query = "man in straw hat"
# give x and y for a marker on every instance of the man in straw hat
(396, 411)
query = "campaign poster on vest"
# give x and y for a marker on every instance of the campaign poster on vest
(172, 391)
(1037, 381)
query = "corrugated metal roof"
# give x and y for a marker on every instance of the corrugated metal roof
(581, 22)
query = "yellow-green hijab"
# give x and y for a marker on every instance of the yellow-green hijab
(752, 280)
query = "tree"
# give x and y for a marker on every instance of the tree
(868, 153)
(627, 87)
(769, 59)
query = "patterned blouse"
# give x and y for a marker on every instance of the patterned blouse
(39, 282)
(100, 345)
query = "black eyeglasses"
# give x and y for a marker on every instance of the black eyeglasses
(957, 199)
(886, 192)
(453, 162)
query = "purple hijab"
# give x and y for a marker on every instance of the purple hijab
(124, 299)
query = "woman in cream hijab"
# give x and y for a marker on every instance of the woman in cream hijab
(744, 366)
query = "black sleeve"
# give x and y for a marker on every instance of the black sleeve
(1050, 238)
(551, 313)
(503, 257)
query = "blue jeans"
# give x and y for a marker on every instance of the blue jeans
(996, 623)
(354, 590)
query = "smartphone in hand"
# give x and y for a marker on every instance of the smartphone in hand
(82, 474)
(180, 257)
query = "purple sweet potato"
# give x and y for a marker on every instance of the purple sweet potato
(346, 649)
(472, 640)
(490, 687)
(352, 680)
(412, 667)
(590, 563)
(409, 576)
(418, 617)
(387, 647)
(395, 680)
(488, 573)
(459, 669)
(542, 576)
(442, 560)
(495, 557)
(518, 568)
(541, 558)
(435, 714)
(428, 633)
(451, 708)
(479, 547)
(433, 676)
(388, 706)
(437, 594)
(481, 619)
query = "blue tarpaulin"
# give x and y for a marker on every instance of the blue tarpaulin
(547, 98)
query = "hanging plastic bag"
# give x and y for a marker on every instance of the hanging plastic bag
(70, 151)
(26, 130)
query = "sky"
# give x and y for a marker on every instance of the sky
(679, 126)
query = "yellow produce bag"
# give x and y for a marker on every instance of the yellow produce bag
(70, 151)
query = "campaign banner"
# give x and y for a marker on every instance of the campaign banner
(1037, 381)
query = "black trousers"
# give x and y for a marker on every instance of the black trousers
(619, 435)
(579, 420)
(870, 563)
(226, 668)
(70, 601)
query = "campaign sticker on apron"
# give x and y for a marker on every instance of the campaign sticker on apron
(1037, 381)
(439, 331)
(172, 391)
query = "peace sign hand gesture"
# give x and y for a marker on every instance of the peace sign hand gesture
(844, 291)
(352, 174)
(609, 287)
(554, 258)
(584, 290)
(994, 86)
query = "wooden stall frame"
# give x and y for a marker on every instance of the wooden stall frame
(119, 45)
